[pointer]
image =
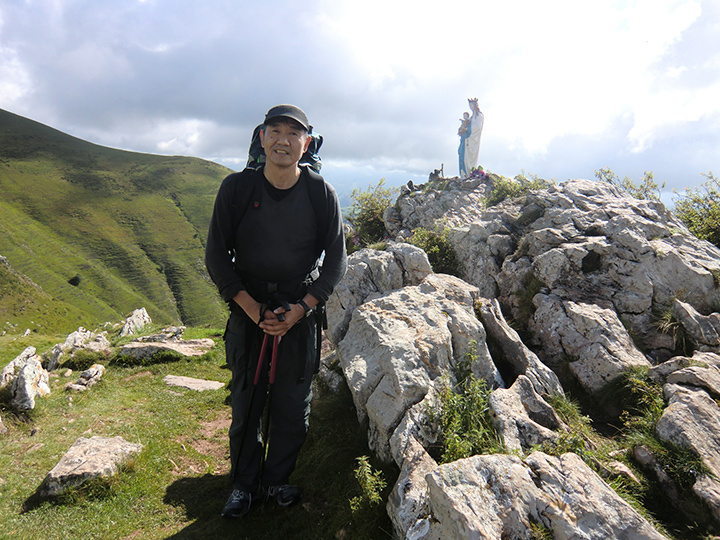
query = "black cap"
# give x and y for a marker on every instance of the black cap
(288, 111)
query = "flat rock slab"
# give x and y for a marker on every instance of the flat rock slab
(192, 347)
(192, 384)
(87, 459)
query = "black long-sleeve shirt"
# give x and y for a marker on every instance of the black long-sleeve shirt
(276, 239)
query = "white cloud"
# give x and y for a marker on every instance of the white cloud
(567, 86)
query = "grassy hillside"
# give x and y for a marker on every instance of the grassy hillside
(101, 231)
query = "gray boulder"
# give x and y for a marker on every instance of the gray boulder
(25, 379)
(88, 378)
(496, 497)
(88, 459)
(397, 345)
(81, 339)
(372, 273)
(168, 340)
(590, 337)
(137, 320)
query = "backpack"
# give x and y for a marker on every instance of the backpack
(256, 153)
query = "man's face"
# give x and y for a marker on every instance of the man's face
(284, 142)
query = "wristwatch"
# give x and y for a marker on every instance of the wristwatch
(304, 305)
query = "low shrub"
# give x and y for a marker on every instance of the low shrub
(440, 252)
(372, 483)
(647, 189)
(699, 209)
(507, 188)
(366, 215)
(464, 418)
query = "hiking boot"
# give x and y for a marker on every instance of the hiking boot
(238, 504)
(284, 495)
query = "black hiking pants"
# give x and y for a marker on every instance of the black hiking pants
(289, 405)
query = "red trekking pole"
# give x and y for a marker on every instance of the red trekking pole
(256, 380)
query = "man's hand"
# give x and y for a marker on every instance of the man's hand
(275, 327)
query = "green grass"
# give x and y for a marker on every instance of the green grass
(177, 486)
(130, 228)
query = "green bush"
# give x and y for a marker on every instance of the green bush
(465, 421)
(440, 252)
(647, 189)
(699, 209)
(372, 483)
(507, 188)
(82, 359)
(366, 215)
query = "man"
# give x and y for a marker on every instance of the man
(268, 229)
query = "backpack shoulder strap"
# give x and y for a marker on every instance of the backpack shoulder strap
(246, 192)
(318, 193)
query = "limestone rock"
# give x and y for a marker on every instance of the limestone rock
(417, 425)
(88, 378)
(692, 420)
(168, 340)
(10, 371)
(703, 330)
(693, 509)
(398, 344)
(328, 372)
(75, 341)
(87, 459)
(708, 490)
(408, 499)
(372, 273)
(192, 384)
(452, 205)
(496, 497)
(137, 320)
(515, 352)
(580, 240)
(590, 336)
(522, 417)
(31, 381)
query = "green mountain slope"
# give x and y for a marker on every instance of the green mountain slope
(104, 231)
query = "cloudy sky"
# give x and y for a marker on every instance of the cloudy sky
(566, 86)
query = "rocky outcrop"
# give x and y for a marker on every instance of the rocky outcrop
(371, 273)
(496, 497)
(26, 379)
(514, 352)
(400, 344)
(454, 201)
(137, 320)
(692, 418)
(585, 272)
(704, 331)
(168, 340)
(586, 242)
(81, 339)
(589, 337)
(88, 378)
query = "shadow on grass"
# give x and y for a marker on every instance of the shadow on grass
(202, 499)
(325, 469)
